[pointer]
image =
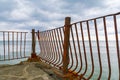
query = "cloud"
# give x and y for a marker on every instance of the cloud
(10, 26)
(28, 14)
(112, 4)
(22, 11)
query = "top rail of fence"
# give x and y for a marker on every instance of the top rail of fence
(118, 13)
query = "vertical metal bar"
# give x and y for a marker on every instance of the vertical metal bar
(76, 30)
(58, 50)
(91, 52)
(41, 44)
(8, 47)
(74, 50)
(84, 49)
(70, 52)
(54, 45)
(54, 54)
(21, 44)
(33, 55)
(13, 44)
(51, 45)
(24, 44)
(61, 40)
(4, 44)
(17, 45)
(117, 43)
(0, 57)
(107, 48)
(38, 33)
(98, 47)
(33, 41)
(44, 41)
(40, 41)
(59, 46)
(66, 45)
(46, 45)
(43, 38)
(50, 48)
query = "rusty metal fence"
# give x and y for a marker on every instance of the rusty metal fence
(93, 47)
(12, 45)
(51, 45)
(87, 49)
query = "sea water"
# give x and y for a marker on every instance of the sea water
(103, 54)
(28, 50)
(104, 59)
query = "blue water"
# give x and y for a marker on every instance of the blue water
(104, 59)
(11, 52)
(103, 53)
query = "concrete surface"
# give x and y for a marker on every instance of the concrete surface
(27, 71)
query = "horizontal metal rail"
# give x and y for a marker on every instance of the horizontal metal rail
(94, 51)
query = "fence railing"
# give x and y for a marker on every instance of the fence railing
(12, 45)
(89, 48)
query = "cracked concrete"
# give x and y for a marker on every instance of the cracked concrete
(24, 71)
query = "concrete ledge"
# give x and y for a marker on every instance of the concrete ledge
(27, 71)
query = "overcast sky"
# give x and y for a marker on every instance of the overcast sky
(47, 14)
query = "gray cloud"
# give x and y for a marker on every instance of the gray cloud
(46, 14)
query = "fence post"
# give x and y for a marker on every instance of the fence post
(33, 54)
(66, 45)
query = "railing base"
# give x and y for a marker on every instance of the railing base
(33, 55)
(68, 76)
(34, 58)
